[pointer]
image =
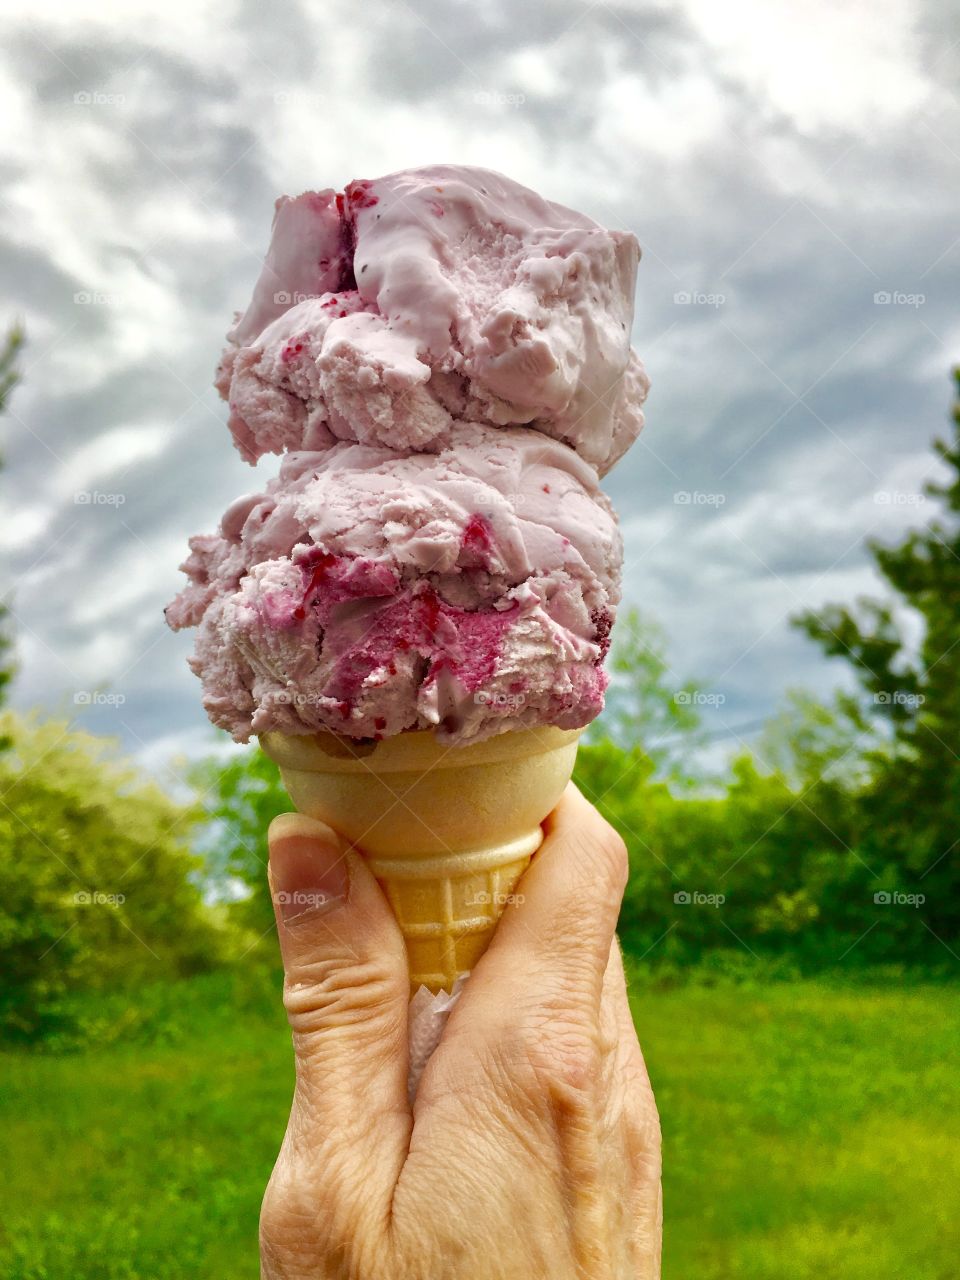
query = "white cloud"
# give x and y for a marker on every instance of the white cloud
(635, 116)
(849, 65)
(23, 525)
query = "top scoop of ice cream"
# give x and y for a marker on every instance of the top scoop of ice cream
(388, 312)
(368, 591)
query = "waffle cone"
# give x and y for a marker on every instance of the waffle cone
(447, 831)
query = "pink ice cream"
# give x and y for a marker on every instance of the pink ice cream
(443, 358)
(370, 591)
(389, 312)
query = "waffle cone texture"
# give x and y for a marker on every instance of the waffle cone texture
(446, 830)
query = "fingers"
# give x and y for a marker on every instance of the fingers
(529, 1015)
(555, 937)
(346, 992)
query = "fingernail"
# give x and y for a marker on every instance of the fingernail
(308, 873)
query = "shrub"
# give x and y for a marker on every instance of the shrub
(97, 888)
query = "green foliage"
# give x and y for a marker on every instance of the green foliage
(9, 354)
(97, 889)
(241, 797)
(772, 866)
(809, 741)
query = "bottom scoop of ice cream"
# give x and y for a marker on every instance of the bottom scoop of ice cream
(368, 592)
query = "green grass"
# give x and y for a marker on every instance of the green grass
(809, 1131)
(147, 1160)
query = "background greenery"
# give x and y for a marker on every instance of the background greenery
(791, 926)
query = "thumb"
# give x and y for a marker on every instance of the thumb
(346, 991)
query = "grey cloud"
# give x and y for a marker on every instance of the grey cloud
(713, 217)
(288, 40)
(432, 47)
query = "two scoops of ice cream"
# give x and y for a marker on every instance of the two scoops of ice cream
(442, 359)
(414, 614)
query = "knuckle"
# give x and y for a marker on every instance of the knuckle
(558, 1054)
(311, 1224)
(291, 1228)
(601, 879)
(574, 1060)
(601, 848)
(611, 854)
(330, 994)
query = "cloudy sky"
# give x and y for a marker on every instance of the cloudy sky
(784, 167)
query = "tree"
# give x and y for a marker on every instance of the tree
(811, 743)
(649, 710)
(9, 377)
(915, 690)
(241, 799)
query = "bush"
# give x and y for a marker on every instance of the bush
(97, 889)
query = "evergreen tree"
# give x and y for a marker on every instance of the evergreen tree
(915, 803)
(9, 377)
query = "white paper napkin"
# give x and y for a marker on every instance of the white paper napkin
(427, 1017)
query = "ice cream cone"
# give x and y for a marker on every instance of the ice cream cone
(447, 831)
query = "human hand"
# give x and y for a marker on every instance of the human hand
(532, 1149)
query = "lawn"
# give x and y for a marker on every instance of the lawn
(809, 1131)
